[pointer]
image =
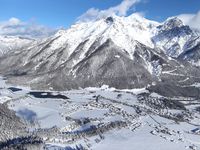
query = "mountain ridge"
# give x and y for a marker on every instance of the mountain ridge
(122, 52)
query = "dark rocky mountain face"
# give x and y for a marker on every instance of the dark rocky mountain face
(171, 24)
(192, 55)
(97, 59)
(175, 38)
(109, 20)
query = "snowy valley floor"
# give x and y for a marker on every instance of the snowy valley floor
(105, 118)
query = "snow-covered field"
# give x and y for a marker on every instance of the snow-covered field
(106, 118)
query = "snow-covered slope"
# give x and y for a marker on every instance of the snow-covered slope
(124, 31)
(10, 43)
(98, 118)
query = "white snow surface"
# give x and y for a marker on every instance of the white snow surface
(122, 30)
(9, 43)
(146, 130)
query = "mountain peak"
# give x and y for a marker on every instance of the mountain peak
(136, 16)
(109, 20)
(171, 23)
(175, 21)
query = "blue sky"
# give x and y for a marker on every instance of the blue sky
(40, 18)
(62, 13)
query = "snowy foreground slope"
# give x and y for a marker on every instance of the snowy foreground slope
(100, 118)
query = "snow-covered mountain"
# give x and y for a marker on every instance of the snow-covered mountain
(175, 38)
(11, 43)
(123, 52)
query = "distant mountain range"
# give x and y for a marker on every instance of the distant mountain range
(122, 52)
